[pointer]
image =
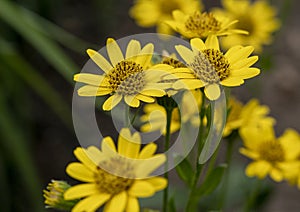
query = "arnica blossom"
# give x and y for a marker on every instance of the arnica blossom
(54, 195)
(149, 13)
(201, 25)
(257, 18)
(269, 154)
(155, 116)
(128, 76)
(115, 177)
(250, 115)
(208, 66)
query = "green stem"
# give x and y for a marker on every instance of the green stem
(251, 202)
(191, 204)
(166, 147)
(228, 159)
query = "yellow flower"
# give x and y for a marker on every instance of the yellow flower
(131, 77)
(115, 177)
(201, 25)
(258, 18)
(155, 116)
(149, 13)
(209, 67)
(270, 154)
(250, 115)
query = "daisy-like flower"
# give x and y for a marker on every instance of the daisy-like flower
(270, 154)
(155, 116)
(115, 177)
(200, 25)
(209, 67)
(258, 18)
(149, 13)
(250, 115)
(128, 76)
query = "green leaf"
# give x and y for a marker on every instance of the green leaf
(184, 169)
(211, 181)
(12, 14)
(14, 62)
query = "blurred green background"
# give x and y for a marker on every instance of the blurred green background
(43, 43)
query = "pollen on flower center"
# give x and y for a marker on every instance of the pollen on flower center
(108, 176)
(271, 151)
(173, 62)
(202, 23)
(210, 66)
(126, 78)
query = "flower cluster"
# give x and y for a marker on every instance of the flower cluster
(196, 75)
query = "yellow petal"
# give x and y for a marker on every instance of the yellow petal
(132, 205)
(99, 60)
(91, 79)
(117, 203)
(245, 73)
(238, 53)
(153, 92)
(212, 91)
(148, 151)
(141, 188)
(190, 84)
(91, 90)
(259, 169)
(185, 53)
(144, 98)
(132, 101)
(111, 102)
(133, 49)
(276, 174)
(108, 145)
(244, 63)
(80, 172)
(197, 44)
(212, 42)
(114, 52)
(129, 146)
(158, 183)
(145, 55)
(91, 203)
(148, 165)
(81, 190)
(232, 81)
(82, 155)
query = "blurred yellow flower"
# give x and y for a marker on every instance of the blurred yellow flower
(201, 25)
(149, 13)
(270, 154)
(258, 18)
(131, 77)
(250, 115)
(209, 67)
(155, 116)
(115, 177)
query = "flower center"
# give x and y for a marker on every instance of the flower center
(210, 66)
(246, 23)
(173, 62)
(111, 182)
(271, 151)
(126, 78)
(202, 24)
